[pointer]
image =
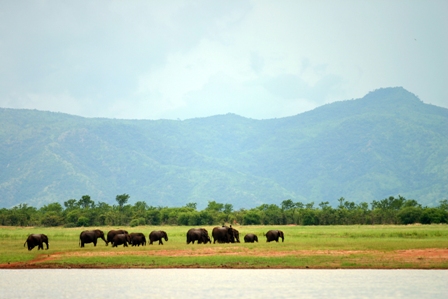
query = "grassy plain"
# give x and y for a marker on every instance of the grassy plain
(318, 247)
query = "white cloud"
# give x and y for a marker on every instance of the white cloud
(183, 59)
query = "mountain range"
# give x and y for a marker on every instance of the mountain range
(387, 143)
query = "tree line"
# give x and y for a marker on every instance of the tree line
(85, 212)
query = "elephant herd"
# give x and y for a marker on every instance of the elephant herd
(223, 234)
(121, 237)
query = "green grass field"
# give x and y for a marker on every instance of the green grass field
(370, 247)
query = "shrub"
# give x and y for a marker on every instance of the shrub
(51, 219)
(134, 223)
(433, 215)
(83, 221)
(137, 222)
(409, 215)
(251, 217)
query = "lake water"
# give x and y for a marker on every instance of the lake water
(223, 283)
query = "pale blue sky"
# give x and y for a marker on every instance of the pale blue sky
(186, 59)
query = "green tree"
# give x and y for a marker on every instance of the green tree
(288, 211)
(433, 215)
(122, 200)
(228, 209)
(71, 204)
(444, 205)
(52, 218)
(85, 202)
(52, 207)
(270, 214)
(191, 205)
(51, 214)
(139, 209)
(252, 217)
(341, 203)
(214, 206)
(409, 215)
(153, 216)
(326, 214)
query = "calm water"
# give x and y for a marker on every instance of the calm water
(223, 283)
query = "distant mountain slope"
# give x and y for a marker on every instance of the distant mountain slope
(387, 143)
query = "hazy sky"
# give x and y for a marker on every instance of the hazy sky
(186, 59)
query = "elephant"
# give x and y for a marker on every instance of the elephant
(112, 233)
(225, 234)
(273, 235)
(198, 234)
(250, 238)
(34, 240)
(121, 239)
(91, 236)
(157, 235)
(137, 239)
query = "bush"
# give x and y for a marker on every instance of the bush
(83, 221)
(251, 217)
(51, 219)
(409, 215)
(137, 222)
(433, 215)
(309, 218)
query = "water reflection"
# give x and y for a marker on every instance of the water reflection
(223, 283)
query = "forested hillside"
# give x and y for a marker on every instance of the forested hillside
(386, 143)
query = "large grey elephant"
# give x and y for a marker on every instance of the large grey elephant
(111, 234)
(225, 234)
(38, 240)
(121, 239)
(91, 236)
(198, 234)
(137, 239)
(250, 238)
(157, 235)
(274, 235)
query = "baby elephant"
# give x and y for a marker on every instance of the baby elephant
(157, 235)
(121, 239)
(250, 238)
(137, 239)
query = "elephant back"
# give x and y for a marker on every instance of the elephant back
(111, 234)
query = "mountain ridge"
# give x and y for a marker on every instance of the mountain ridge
(387, 143)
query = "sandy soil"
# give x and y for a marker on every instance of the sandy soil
(421, 257)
